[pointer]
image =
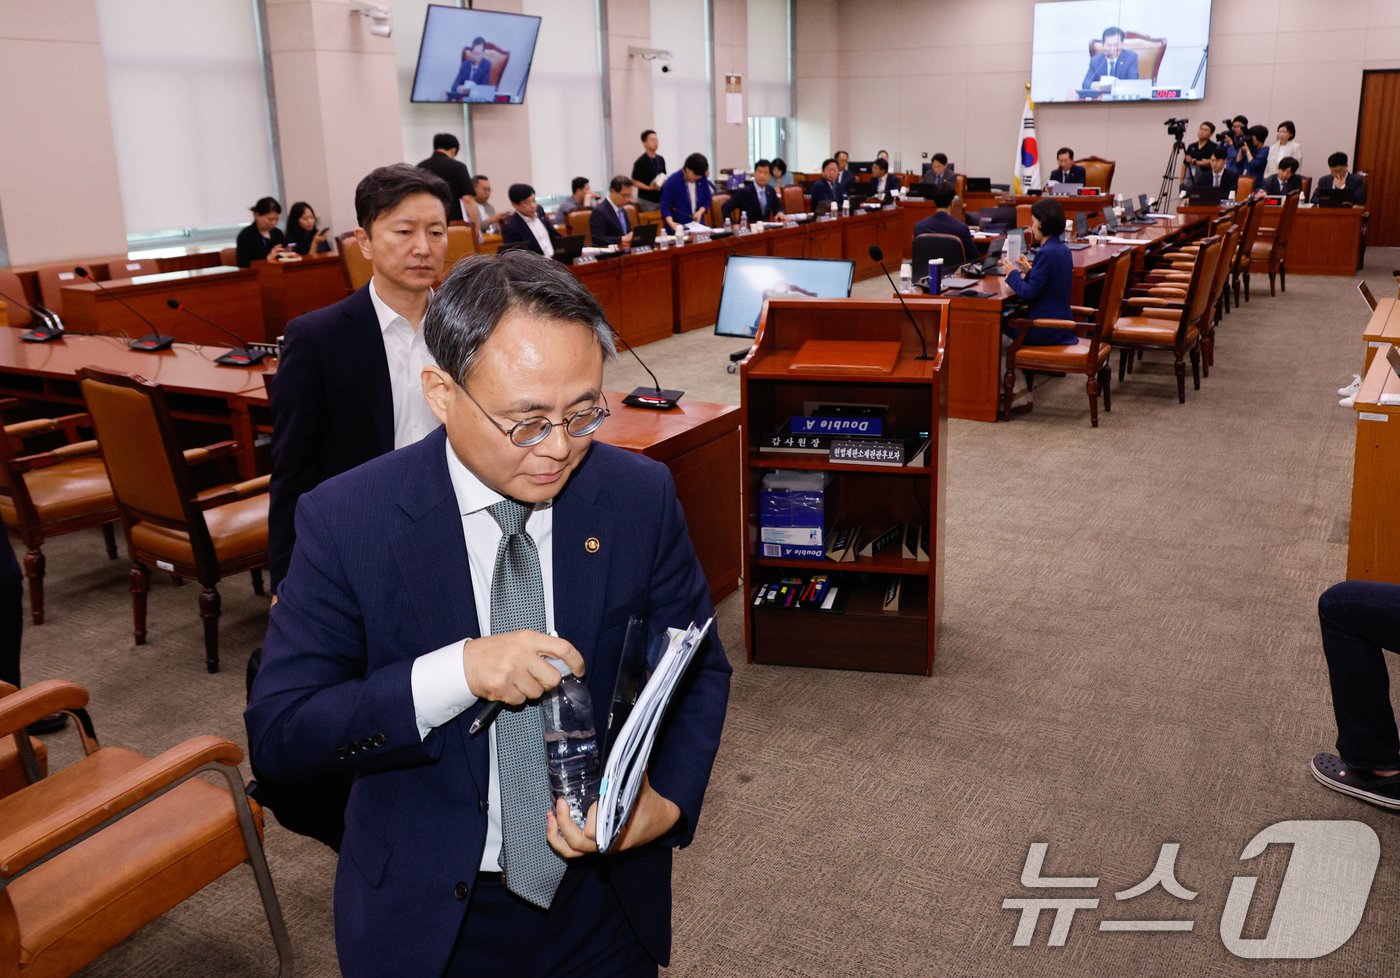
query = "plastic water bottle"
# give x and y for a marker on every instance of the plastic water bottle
(571, 743)
(846, 207)
(729, 224)
(743, 222)
(906, 277)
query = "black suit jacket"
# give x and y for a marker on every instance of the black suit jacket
(1076, 175)
(1276, 188)
(949, 176)
(514, 230)
(1228, 181)
(1355, 186)
(332, 409)
(821, 190)
(604, 226)
(746, 199)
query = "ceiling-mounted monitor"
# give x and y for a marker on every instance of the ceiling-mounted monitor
(474, 56)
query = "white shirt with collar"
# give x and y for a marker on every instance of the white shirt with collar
(407, 355)
(438, 681)
(694, 205)
(540, 232)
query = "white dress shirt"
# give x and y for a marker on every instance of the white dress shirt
(540, 232)
(438, 681)
(694, 206)
(407, 355)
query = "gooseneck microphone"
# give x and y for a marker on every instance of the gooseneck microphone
(649, 397)
(49, 327)
(153, 341)
(239, 356)
(878, 255)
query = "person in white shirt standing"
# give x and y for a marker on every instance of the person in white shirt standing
(526, 228)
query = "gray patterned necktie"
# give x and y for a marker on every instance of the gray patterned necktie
(532, 870)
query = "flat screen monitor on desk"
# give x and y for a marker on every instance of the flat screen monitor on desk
(979, 185)
(1333, 197)
(1196, 194)
(749, 279)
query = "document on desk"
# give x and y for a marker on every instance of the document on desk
(631, 751)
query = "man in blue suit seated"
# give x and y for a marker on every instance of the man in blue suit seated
(1067, 171)
(758, 199)
(686, 196)
(1111, 61)
(1043, 287)
(941, 222)
(829, 187)
(436, 580)
(475, 69)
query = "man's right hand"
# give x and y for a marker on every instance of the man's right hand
(511, 667)
(627, 240)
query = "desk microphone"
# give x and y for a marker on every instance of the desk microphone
(878, 255)
(49, 327)
(239, 356)
(649, 397)
(153, 341)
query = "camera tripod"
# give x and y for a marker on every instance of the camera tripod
(1169, 177)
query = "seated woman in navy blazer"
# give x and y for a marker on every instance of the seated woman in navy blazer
(1044, 285)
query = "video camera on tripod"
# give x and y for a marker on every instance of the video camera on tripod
(1177, 127)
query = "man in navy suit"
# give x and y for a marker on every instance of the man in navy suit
(1338, 177)
(844, 176)
(759, 200)
(381, 653)
(1111, 61)
(1068, 171)
(1220, 175)
(527, 226)
(940, 171)
(346, 388)
(609, 223)
(941, 222)
(829, 187)
(881, 179)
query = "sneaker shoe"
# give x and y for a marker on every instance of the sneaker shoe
(1351, 388)
(1332, 772)
(1021, 399)
(1349, 400)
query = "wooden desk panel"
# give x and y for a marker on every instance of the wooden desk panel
(635, 293)
(292, 288)
(788, 242)
(824, 239)
(227, 296)
(1325, 240)
(858, 234)
(1373, 546)
(1382, 330)
(699, 277)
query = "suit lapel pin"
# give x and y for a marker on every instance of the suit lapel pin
(592, 545)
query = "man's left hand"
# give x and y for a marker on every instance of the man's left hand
(652, 817)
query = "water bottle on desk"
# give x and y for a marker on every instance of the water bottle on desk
(571, 743)
(845, 207)
(906, 277)
(729, 224)
(743, 222)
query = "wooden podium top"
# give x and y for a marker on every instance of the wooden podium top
(1384, 325)
(1381, 378)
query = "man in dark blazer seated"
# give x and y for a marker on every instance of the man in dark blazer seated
(1067, 170)
(941, 222)
(1284, 181)
(829, 186)
(881, 179)
(940, 171)
(1338, 177)
(1111, 61)
(1219, 176)
(609, 223)
(433, 581)
(758, 199)
(845, 176)
(528, 227)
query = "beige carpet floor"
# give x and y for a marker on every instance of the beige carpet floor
(1129, 657)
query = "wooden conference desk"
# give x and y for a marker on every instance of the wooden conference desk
(1325, 240)
(227, 296)
(290, 288)
(1382, 330)
(1373, 547)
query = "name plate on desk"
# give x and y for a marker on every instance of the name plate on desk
(846, 357)
(1368, 416)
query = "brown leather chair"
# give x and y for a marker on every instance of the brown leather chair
(579, 223)
(130, 268)
(358, 270)
(1098, 172)
(1023, 215)
(960, 184)
(1088, 355)
(23, 760)
(1150, 51)
(1307, 187)
(1170, 292)
(47, 493)
(957, 209)
(16, 316)
(717, 203)
(205, 535)
(794, 200)
(1174, 330)
(461, 242)
(228, 257)
(497, 58)
(95, 851)
(1244, 187)
(633, 217)
(1270, 251)
(52, 279)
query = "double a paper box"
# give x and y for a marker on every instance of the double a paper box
(794, 514)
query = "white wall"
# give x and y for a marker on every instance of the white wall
(959, 86)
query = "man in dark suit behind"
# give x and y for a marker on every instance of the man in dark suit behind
(881, 179)
(609, 223)
(829, 187)
(758, 199)
(1338, 177)
(941, 222)
(1285, 180)
(527, 226)
(1068, 171)
(1219, 176)
(399, 622)
(1112, 61)
(346, 386)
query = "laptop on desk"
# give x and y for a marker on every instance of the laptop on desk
(1333, 197)
(987, 264)
(570, 246)
(865, 188)
(1199, 194)
(1365, 291)
(644, 235)
(979, 185)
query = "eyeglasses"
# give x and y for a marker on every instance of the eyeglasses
(532, 431)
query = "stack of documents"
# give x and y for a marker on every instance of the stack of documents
(631, 751)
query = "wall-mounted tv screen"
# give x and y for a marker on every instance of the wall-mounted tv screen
(749, 279)
(474, 56)
(1120, 50)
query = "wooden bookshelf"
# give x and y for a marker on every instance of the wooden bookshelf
(862, 635)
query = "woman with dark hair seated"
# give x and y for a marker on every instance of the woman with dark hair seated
(781, 176)
(263, 238)
(303, 236)
(1043, 286)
